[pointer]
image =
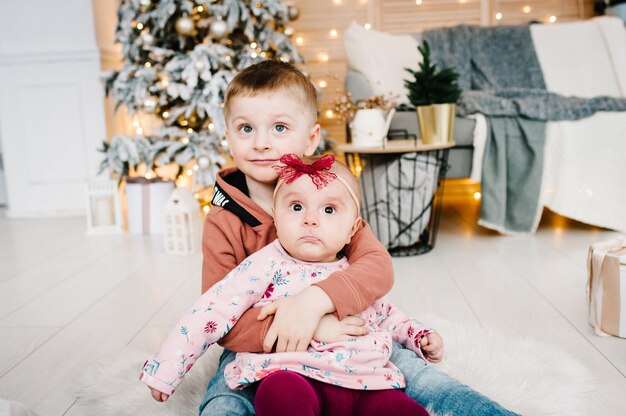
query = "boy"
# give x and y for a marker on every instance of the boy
(270, 110)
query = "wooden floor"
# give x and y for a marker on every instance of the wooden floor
(66, 297)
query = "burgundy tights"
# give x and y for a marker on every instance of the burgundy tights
(287, 393)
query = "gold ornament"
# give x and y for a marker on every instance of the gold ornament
(218, 28)
(293, 12)
(185, 26)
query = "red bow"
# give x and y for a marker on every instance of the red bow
(319, 171)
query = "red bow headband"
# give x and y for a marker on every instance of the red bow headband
(293, 167)
(319, 171)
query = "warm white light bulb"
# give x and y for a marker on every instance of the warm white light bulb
(367, 26)
(166, 114)
(322, 84)
(552, 19)
(333, 33)
(498, 16)
(299, 40)
(324, 57)
(329, 113)
(477, 195)
(526, 9)
(139, 26)
(418, 2)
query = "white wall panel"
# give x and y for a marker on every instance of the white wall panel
(51, 105)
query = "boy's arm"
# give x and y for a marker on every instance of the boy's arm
(369, 276)
(209, 319)
(218, 259)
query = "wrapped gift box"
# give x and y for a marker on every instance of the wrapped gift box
(606, 287)
(145, 201)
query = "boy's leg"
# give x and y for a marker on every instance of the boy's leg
(220, 400)
(386, 402)
(439, 392)
(286, 393)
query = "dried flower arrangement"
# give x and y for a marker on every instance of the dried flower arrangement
(345, 107)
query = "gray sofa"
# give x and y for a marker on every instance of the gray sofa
(405, 122)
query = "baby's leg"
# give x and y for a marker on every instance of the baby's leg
(286, 393)
(386, 402)
(439, 392)
(220, 400)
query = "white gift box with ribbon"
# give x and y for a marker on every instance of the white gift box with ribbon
(145, 201)
(606, 287)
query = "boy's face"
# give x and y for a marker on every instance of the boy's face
(314, 224)
(263, 127)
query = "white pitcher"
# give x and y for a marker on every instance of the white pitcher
(369, 127)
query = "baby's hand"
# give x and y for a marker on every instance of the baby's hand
(331, 329)
(158, 396)
(432, 347)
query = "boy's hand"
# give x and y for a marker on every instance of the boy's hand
(331, 329)
(432, 347)
(158, 396)
(295, 319)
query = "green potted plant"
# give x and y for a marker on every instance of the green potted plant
(434, 94)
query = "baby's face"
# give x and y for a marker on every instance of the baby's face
(261, 128)
(314, 224)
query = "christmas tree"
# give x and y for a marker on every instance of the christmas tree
(179, 56)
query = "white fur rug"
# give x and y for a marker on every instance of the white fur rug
(523, 374)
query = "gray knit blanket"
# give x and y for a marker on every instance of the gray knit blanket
(501, 78)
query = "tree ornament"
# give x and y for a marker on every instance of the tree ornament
(149, 104)
(218, 28)
(203, 162)
(185, 26)
(285, 57)
(147, 38)
(200, 66)
(293, 12)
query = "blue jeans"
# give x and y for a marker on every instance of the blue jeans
(428, 386)
(220, 400)
(439, 392)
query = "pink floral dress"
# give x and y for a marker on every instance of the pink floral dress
(267, 275)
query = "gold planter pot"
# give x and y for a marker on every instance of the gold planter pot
(436, 123)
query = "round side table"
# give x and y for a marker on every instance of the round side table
(402, 190)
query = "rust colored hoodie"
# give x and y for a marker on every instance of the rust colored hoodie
(236, 227)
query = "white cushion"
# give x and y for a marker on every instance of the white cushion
(381, 59)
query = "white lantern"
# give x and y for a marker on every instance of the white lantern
(104, 212)
(181, 223)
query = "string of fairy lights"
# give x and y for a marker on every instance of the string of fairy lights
(523, 9)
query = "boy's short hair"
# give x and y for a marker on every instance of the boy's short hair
(272, 76)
